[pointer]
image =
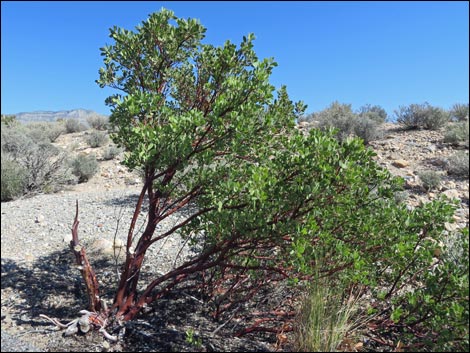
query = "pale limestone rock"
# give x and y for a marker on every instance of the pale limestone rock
(450, 226)
(400, 163)
(39, 219)
(451, 194)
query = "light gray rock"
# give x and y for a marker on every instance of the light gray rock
(452, 194)
(39, 219)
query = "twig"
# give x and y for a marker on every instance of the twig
(56, 321)
(225, 323)
(107, 335)
(194, 298)
(32, 331)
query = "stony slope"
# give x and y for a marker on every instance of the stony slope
(407, 153)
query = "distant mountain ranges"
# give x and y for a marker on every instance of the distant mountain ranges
(79, 114)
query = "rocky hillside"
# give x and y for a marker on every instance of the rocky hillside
(411, 153)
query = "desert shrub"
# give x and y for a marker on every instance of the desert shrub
(435, 119)
(459, 112)
(111, 152)
(422, 116)
(457, 133)
(45, 131)
(373, 112)
(341, 117)
(458, 164)
(44, 164)
(47, 168)
(9, 120)
(13, 178)
(84, 167)
(56, 130)
(16, 141)
(454, 248)
(38, 131)
(73, 146)
(98, 122)
(73, 125)
(338, 116)
(96, 138)
(401, 196)
(366, 128)
(430, 179)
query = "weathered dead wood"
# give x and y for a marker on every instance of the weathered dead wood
(83, 264)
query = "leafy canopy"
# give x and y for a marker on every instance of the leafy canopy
(183, 97)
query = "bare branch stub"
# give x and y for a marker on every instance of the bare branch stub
(87, 271)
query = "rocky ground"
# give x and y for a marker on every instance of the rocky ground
(39, 276)
(407, 153)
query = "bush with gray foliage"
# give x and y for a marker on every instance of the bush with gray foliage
(45, 131)
(84, 167)
(457, 134)
(459, 112)
(73, 125)
(373, 112)
(458, 164)
(44, 165)
(111, 152)
(13, 178)
(367, 129)
(341, 117)
(98, 122)
(422, 116)
(401, 196)
(96, 138)
(429, 179)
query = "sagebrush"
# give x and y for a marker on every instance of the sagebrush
(424, 116)
(96, 138)
(84, 166)
(43, 166)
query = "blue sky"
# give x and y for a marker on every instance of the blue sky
(385, 53)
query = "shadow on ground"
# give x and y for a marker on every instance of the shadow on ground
(52, 285)
(126, 200)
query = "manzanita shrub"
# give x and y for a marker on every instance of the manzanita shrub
(264, 203)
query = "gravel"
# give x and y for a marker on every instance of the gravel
(13, 344)
(38, 226)
(39, 275)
